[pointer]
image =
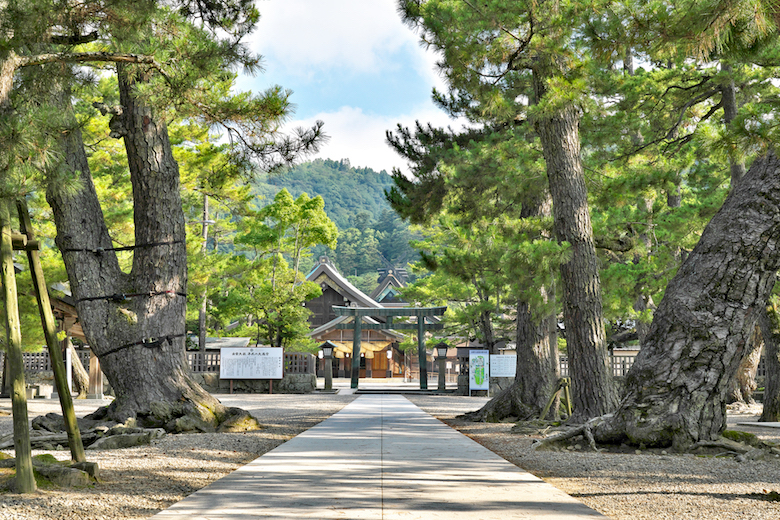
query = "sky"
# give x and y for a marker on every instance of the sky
(352, 64)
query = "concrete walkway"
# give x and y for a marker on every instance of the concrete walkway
(380, 457)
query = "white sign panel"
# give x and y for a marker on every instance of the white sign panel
(479, 370)
(503, 365)
(251, 363)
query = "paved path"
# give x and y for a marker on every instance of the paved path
(380, 457)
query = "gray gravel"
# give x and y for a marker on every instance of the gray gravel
(139, 482)
(641, 486)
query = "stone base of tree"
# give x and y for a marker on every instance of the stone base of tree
(290, 384)
(48, 433)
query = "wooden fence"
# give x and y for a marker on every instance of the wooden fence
(294, 362)
(40, 361)
(619, 365)
(413, 370)
(304, 363)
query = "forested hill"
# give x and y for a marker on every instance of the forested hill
(346, 190)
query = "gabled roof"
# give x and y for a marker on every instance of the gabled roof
(387, 288)
(326, 273)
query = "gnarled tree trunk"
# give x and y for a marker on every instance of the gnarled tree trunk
(676, 390)
(139, 338)
(80, 375)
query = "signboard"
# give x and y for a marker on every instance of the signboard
(479, 370)
(503, 365)
(251, 363)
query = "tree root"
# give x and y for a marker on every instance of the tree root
(583, 429)
(186, 416)
(723, 444)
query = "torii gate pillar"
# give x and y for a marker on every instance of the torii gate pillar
(420, 326)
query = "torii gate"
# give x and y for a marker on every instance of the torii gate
(420, 312)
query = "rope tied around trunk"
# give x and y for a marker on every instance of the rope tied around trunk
(151, 342)
(123, 297)
(101, 250)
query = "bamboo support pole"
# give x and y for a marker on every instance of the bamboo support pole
(50, 330)
(25, 480)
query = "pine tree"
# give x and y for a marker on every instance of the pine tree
(135, 321)
(495, 53)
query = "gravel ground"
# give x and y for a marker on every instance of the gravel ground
(639, 486)
(139, 482)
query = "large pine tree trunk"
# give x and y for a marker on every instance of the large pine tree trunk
(593, 393)
(537, 354)
(139, 340)
(676, 390)
(770, 331)
(743, 385)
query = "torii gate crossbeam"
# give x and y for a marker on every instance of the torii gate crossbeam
(420, 312)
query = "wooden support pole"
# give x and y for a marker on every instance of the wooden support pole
(567, 394)
(50, 331)
(95, 388)
(550, 402)
(25, 481)
(21, 242)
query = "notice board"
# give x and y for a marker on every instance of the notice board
(479, 369)
(503, 365)
(251, 363)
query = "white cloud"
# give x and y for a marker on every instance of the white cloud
(360, 137)
(306, 36)
(305, 33)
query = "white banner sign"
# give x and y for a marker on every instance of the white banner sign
(479, 370)
(251, 363)
(503, 365)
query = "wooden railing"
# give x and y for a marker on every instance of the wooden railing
(304, 363)
(40, 362)
(294, 362)
(620, 365)
(199, 363)
(299, 363)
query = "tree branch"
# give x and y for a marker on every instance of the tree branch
(82, 57)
